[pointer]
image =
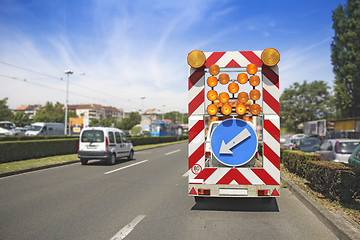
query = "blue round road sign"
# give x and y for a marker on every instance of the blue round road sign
(234, 142)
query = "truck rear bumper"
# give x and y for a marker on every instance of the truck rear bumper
(214, 190)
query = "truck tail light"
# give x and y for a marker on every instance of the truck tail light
(264, 192)
(106, 143)
(337, 147)
(203, 191)
(207, 154)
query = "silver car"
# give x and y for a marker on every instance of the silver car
(337, 150)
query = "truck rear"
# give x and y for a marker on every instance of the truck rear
(234, 126)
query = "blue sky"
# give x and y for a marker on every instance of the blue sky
(121, 50)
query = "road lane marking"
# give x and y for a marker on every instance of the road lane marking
(172, 152)
(128, 228)
(131, 165)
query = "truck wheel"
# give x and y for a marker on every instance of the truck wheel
(111, 161)
(131, 155)
(83, 161)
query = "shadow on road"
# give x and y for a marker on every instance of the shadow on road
(237, 204)
(104, 162)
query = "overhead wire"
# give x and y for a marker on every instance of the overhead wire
(46, 86)
(61, 79)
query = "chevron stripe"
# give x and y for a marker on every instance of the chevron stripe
(233, 58)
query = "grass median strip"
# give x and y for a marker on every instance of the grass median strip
(46, 161)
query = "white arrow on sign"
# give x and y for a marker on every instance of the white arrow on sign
(225, 148)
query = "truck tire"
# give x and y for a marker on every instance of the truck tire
(111, 160)
(83, 161)
(131, 155)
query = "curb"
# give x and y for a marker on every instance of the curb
(337, 224)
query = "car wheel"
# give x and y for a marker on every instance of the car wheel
(111, 160)
(83, 161)
(131, 155)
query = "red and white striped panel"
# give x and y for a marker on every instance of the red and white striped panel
(196, 99)
(270, 173)
(233, 59)
(271, 93)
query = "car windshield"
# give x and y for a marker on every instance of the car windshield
(347, 147)
(310, 142)
(35, 128)
(7, 126)
(92, 136)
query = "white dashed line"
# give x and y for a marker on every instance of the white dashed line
(115, 170)
(128, 228)
(172, 152)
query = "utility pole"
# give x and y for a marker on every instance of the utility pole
(67, 72)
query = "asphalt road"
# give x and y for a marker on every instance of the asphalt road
(145, 198)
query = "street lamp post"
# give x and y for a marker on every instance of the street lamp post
(142, 113)
(67, 72)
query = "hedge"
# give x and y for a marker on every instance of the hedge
(342, 182)
(22, 150)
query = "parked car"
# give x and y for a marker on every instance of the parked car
(337, 150)
(354, 159)
(104, 143)
(45, 129)
(293, 141)
(7, 128)
(310, 144)
(285, 139)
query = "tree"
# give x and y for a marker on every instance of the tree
(135, 117)
(5, 112)
(21, 119)
(107, 122)
(94, 122)
(126, 124)
(305, 102)
(345, 57)
(176, 117)
(52, 113)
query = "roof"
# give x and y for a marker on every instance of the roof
(94, 106)
(27, 107)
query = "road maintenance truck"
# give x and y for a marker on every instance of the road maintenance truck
(234, 126)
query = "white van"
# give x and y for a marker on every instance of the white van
(104, 143)
(45, 129)
(7, 128)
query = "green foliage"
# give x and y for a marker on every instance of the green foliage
(345, 57)
(21, 150)
(5, 112)
(305, 102)
(125, 124)
(135, 117)
(335, 179)
(176, 117)
(94, 122)
(52, 113)
(21, 119)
